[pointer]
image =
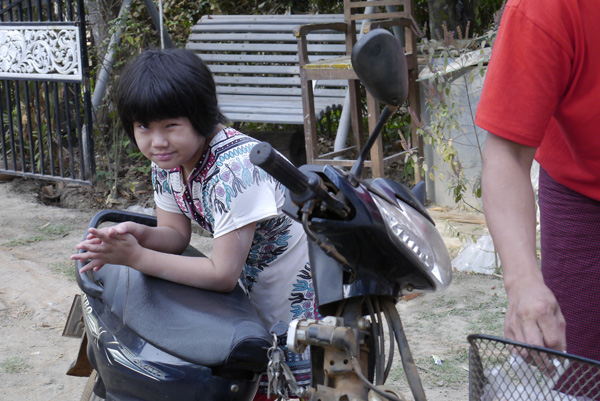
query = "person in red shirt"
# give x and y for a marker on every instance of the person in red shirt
(541, 99)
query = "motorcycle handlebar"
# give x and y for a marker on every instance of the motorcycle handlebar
(302, 187)
(266, 157)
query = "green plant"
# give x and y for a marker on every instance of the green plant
(49, 231)
(274, 6)
(64, 269)
(453, 65)
(24, 241)
(14, 365)
(480, 13)
(143, 165)
(55, 230)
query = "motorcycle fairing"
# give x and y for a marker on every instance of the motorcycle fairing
(380, 266)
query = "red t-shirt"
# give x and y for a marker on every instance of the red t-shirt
(542, 87)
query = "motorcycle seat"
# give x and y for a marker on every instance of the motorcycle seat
(218, 330)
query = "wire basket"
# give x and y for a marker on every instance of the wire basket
(504, 370)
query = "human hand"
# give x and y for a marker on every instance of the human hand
(534, 316)
(128, 227)
(115, 245)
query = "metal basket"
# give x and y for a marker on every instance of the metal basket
(504, 370)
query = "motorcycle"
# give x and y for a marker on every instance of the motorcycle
(371, 242)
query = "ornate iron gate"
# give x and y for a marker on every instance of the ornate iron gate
(47, 129)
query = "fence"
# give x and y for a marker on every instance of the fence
(45, 104)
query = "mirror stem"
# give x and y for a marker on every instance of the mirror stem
(357, 169)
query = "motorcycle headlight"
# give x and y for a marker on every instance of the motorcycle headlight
(412, 230)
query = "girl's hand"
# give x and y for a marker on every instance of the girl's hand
(129, 227)
(114, 245)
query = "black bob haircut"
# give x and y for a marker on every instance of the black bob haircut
(161, 84)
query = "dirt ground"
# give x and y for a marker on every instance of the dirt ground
(36, 291)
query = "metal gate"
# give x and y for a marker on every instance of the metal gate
(47, 129)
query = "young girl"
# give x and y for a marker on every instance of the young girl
(201, 171)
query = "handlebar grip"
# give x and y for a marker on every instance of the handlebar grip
(266, 157)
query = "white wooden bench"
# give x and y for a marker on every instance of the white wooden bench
(254, 60)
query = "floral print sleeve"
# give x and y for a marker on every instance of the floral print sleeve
(163, 194)
(239, 197)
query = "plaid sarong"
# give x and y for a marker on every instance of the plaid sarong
(570, 244)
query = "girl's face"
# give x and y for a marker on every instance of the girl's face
(170, 143)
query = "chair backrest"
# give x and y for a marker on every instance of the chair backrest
(365, 12)
(396, 15)
(359, 10)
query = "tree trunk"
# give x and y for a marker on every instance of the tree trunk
(99, 15)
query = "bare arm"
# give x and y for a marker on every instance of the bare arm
(220, 272)
(171, 235)
(135, 247)
(533, 315)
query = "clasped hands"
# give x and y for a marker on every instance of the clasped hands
(114, 245)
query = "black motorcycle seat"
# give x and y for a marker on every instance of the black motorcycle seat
(203, 327)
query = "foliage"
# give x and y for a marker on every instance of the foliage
(482, 15)
(115, 153)
(396, 135)
(180, 16)
(451, 122)
(274, 6)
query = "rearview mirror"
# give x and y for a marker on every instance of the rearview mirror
(379, 61)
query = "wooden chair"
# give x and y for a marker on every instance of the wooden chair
(388, 14)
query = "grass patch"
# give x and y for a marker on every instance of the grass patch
(25, 241)
(49, 232)
(14, 365)
(56, 230)
(488, 322)
(452, 370)
(64, 269)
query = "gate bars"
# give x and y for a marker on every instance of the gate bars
(47, 129)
